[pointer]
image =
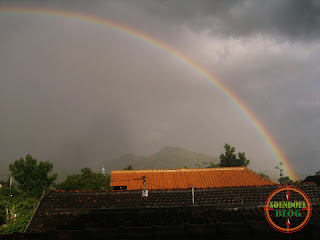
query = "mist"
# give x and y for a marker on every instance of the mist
(76, 93)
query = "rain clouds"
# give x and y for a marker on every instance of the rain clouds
(76, 93)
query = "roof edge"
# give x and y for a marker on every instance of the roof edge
(34, 212)
(258, 175)
(169, 190)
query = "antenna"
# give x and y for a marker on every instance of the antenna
(10, 179)
(144, 191)
(192, 195)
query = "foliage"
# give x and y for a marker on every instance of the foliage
(213, 165)
(32, 177)
(5, 190)
(280, 168)
(264, 175)
(297, 181)
(209, 165)
(87, 180)
(16, 212)
(283, 179)
(128, 168)
(229, 159)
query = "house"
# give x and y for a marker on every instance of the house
(186, 178)
(315, 179)
(227, 212)
(224, 204)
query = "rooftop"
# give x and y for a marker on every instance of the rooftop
(186, 178)
(61, 210)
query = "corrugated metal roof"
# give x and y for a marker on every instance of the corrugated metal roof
(185, 178)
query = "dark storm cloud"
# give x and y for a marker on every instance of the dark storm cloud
(75, 93)
(73, 103)
(289, 18)
(295, 19)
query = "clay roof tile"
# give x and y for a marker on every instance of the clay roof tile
(186, 178)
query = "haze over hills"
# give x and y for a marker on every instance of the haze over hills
(308, 162)
(166, 158)
(175, 157)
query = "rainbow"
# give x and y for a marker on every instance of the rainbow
(83, 17)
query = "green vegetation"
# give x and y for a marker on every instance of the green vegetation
(87, 180)
(128, 168)
(213, 165)
(230, 159)
(16, 211)
(283, 179)
(32, 177)
(208, 165)
(17, 208)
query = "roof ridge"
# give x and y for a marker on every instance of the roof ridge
(179, 169)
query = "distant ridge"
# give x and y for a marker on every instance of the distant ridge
(166, 158)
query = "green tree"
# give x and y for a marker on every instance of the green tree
(283, 179)
(128, 168)
(87, 180)
(213, 165)
(230, 159)
(32, 177)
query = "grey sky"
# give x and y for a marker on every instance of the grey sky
(75, 93)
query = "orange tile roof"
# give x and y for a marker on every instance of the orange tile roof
(185, 178)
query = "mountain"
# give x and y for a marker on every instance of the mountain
(166, 158)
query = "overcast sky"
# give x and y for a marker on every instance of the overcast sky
(75, 93)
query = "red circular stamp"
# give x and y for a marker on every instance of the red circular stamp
(288, 209)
